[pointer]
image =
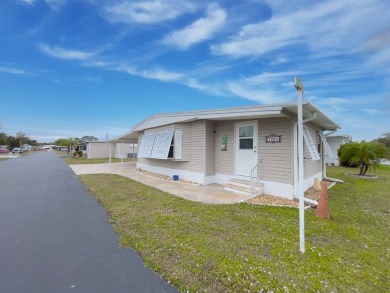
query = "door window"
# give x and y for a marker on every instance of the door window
(246, 137)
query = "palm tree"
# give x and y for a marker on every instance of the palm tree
(363, 154)
(21, 136)
(73, 141)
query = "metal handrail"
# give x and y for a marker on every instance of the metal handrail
(253, 176)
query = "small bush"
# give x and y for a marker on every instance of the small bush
(78, 154)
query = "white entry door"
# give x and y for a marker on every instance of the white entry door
(246, 147)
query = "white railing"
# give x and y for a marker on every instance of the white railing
(10, 154)
(254, 174)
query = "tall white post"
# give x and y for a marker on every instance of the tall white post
(299, 87)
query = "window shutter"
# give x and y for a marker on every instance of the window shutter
(146, 146)
(161, 145)
(326, 145)
(310, 144)
(177, 147)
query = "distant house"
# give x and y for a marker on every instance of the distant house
(335, 141)
(233, 146)
(49, 147)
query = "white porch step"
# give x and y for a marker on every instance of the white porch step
(241, 186)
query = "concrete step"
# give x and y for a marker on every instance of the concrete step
(241, 186)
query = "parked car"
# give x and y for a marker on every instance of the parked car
(17, 150)
(3, 151)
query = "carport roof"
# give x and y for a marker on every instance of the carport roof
(128, 137)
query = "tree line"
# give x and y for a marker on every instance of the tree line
(18, 140)
(21, 138)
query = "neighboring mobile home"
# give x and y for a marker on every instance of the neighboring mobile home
(235, 145)
(335, 141)
(99, 149)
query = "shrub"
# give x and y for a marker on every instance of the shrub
(78, 154)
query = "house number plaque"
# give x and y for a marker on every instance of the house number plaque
(273, 138)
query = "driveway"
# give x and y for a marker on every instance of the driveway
(54, 236)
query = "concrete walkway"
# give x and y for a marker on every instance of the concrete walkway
(211, 193)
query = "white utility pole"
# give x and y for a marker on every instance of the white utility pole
(299, 86)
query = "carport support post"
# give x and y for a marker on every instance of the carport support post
(122, 151)
(109, 152)
(299, 86)
(109, 148)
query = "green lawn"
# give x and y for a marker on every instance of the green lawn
(242, 247)
(75, 160)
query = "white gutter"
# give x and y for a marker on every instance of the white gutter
(329, 133)
(295, 132)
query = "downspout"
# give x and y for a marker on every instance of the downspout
(295, 132)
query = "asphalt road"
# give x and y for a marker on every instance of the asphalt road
(54, 236)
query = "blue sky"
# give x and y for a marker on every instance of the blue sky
(70, 68)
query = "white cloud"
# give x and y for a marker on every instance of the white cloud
(28, 2)
(267, 78)
(200, 30)
(327, 28)
(56, 4)
(162, 75)
(53, 4)
(263, 96)
(12, 70)
(65, 53)
(147, 12)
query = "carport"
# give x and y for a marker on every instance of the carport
(128, 138)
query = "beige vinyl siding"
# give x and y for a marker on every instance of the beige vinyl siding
(311, 167)
(224, 160)
(210, 148)
(193, 147)
(276, 159)
(100, 150)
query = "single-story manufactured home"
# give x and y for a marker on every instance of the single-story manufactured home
(335, 141)
(235, 146)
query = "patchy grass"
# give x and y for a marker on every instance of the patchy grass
(242, 247)
(75, 160)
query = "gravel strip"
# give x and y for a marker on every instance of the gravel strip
(266, 199)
